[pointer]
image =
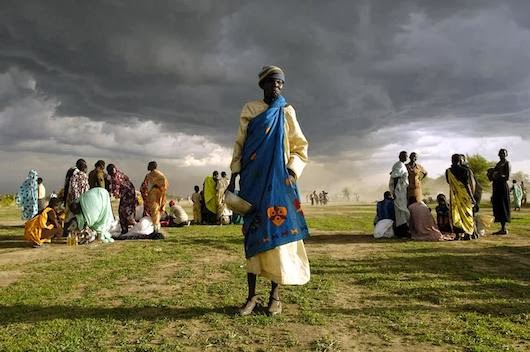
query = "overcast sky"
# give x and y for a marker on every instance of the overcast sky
(130, 81)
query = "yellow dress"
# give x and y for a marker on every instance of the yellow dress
(286, 264)
(153, 191)
(33, 227)
(461, 205)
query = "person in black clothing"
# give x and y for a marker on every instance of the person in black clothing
(500, 198)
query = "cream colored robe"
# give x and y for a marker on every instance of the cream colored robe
(295, 143)
(399, 171)
(286, 264)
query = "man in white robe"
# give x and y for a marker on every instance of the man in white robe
(399, 181)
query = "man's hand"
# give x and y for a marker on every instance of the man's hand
(292, 176)
(232, 185)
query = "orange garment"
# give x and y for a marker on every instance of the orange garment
(34, 228)
(416, 175)
(153, 192)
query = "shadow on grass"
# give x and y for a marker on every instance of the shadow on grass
(12, 241)
(470, 250)
(34, 313)
(462, 263)
(319, 238)
(18, 243)
(219, 243)
(11, 227)
(501, 309)
(488, 280)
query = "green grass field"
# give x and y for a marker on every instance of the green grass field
(180, 294)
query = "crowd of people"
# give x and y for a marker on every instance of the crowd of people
(83, 207)
(403, 213)
(315, 198)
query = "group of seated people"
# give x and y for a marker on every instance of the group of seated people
(93, 218)
(83, 208)
(422, 225)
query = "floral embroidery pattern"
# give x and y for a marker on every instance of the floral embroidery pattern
(277, 215)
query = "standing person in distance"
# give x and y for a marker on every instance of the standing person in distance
(500, 198)
(153, 192)
(398, 185)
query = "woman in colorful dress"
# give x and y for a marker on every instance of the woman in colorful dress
(121, 187)
(45, 225)
(153, 191)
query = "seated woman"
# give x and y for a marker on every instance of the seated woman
(443, 214)
(422, 226)
(177, 215)
(44, 226)
(93, 213)
(384, 217)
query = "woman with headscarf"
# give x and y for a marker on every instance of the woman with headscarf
(27, 196)
(94, 211)
(121, 187)
(45, 225)
(500, 198)
(153, 191)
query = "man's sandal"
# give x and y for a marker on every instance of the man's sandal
(275, 306)
(249, 306)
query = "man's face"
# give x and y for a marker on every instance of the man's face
(413, 157)
(402, 157)
(272, 87)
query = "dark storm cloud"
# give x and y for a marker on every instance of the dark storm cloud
(352, 67)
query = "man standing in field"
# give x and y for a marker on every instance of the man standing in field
(270, 153)
(399, 181)
(41, 194)
(220, 189)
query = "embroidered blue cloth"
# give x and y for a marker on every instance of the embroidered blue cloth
(277, 218)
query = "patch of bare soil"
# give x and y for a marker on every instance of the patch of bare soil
(29, 254)
(9, 277)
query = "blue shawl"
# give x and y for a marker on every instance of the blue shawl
(27, 196)
(277, 218)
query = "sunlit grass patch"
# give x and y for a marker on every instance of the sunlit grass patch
(182, 293)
